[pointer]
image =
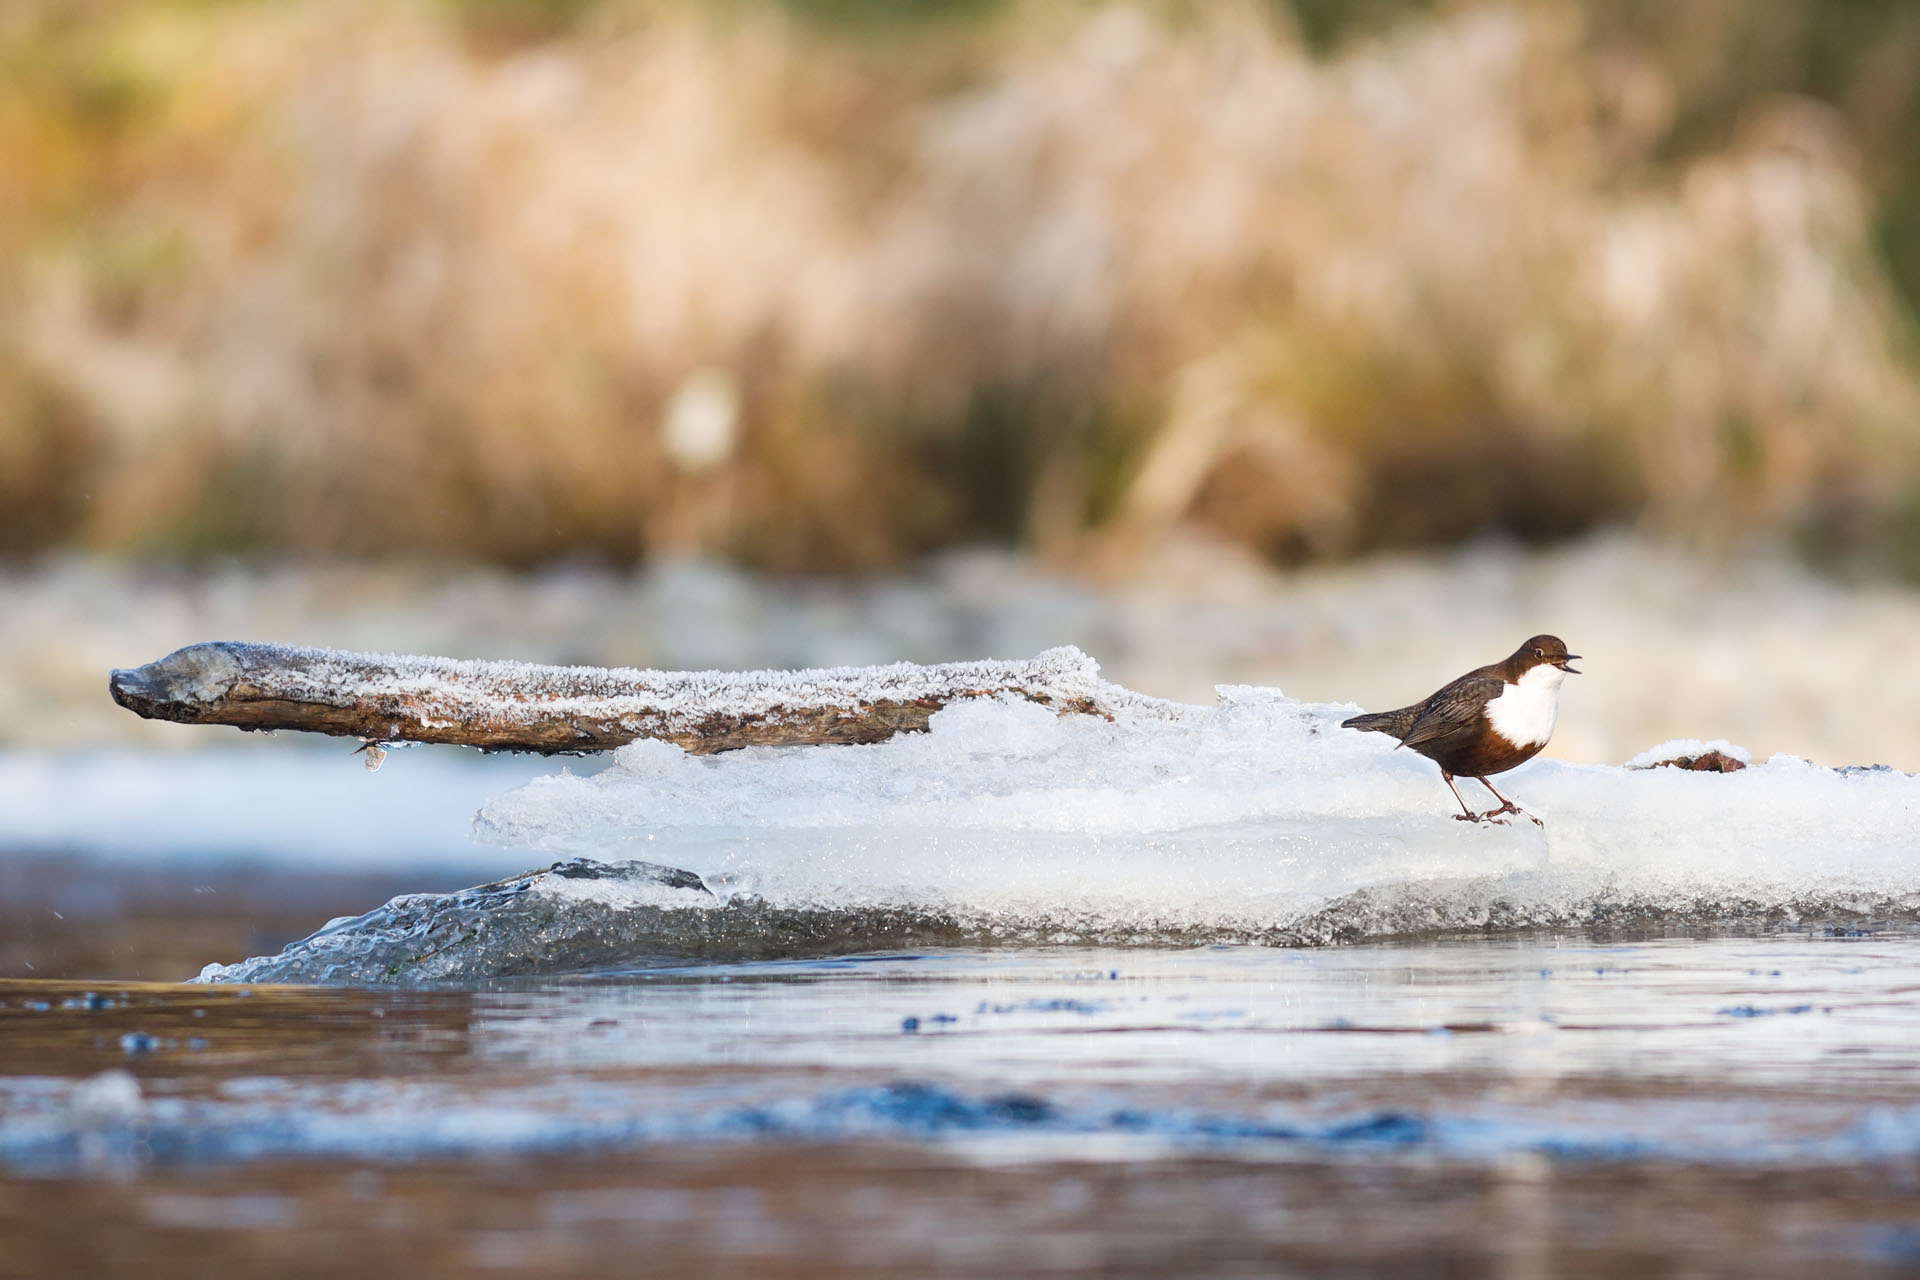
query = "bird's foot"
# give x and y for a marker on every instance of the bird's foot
(1494, 815)
(1481, 817)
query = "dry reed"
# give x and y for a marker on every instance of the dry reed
(323, 276)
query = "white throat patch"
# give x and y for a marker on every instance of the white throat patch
(1524, 713)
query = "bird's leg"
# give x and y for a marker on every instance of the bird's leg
(1507, 806)
(1465, 814)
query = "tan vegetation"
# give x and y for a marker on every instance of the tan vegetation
(346, 277)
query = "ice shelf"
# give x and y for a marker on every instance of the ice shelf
(1255, 820)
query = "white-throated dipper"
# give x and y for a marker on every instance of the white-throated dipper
(1488, 721)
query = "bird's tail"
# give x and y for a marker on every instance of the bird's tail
(1397, 723)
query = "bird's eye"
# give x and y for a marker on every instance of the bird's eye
(1539, 653)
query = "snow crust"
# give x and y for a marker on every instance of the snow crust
(1260, 814)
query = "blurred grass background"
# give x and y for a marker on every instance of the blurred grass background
(830, 284)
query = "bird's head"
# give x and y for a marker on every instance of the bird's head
(1545, 651)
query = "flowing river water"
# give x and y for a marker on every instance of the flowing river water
(1737, 1102)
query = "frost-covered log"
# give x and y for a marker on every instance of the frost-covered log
(516, 706)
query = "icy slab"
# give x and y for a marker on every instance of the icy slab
(575, 916)
(1258, 814)
(1259, 820)
(522, 923)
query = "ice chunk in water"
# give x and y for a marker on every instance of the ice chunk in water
(570, 916)
(1259, 819)
(1257, 814)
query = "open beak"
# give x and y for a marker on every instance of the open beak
(1562, 664)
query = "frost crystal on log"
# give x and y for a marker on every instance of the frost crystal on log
(517, 706)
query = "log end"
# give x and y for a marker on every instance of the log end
(182, 685)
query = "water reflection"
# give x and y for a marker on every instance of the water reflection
(1836, 1012)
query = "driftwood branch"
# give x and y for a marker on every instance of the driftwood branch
(513, 706)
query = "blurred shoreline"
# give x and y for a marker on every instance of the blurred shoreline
(504, 281)
(1754, 649)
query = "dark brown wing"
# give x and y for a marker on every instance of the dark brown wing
(1455, 709)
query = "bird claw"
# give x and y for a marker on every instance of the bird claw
(1493, 815)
